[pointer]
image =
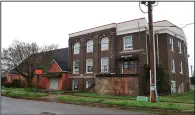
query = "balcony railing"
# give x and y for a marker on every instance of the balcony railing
(117, 70)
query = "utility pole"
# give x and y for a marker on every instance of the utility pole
(152, 54)
(153, 90)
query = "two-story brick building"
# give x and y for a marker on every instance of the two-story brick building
(121, 50)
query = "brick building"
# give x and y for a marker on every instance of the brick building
(118, 52)
(55, 72)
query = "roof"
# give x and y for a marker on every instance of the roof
(59, 55)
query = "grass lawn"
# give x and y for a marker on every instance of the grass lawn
(21, 92)
(165, 105)
(187, 97)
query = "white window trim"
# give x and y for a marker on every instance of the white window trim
(173, 64)
(101, 64)
(78, 48)
(179, 45)
(181, 67)
(87, 64)
(171, 43)
(88, 45)
(124, 43)
(101, 44)
(74, 67)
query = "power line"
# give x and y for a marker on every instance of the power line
(187, 25)
(141, 8)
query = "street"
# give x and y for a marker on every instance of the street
(18, 106)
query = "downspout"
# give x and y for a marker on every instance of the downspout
(157, 48)
(155, 71)
(146, 47)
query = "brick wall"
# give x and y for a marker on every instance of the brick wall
(117, 85)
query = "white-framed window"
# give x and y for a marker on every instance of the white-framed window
(87, 84)
(104, 65)
(171, 44)
(76, 48)
(127, 42)
(90, 46)
(179, 46)
(172, 65)
(104, 43)
(75, 84)
(89, 66)
(181, 67)
(76, 66)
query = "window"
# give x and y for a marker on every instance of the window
(75, 84)
(105, 65)
(76, 48)
(76, 66)
(171, 44)
(127, 42)
(172, 65)
(179, 45)
(90, 46)
(181, 67)
(87, 84)
(104, 44)
(89, 66)
(132, 66)
(125, 65)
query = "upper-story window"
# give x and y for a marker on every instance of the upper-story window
(181, 67)
(76, 48)
(171, 44)
(179, 46)
(172, 65)
(104, 44)
(127, 42)
(90, 46)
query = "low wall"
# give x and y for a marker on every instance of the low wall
(117, 85)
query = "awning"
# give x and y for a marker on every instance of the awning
(132, 54)
(53, 74)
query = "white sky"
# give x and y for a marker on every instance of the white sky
(50, 22)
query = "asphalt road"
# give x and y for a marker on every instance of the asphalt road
(18, 106)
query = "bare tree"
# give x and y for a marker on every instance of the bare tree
(23, 58)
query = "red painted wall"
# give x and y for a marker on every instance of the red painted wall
(11, 77)
(42, 82)
(54, 67)
(63, 81)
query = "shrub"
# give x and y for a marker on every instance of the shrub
(192, 80)
(8, 85)
(17, 83)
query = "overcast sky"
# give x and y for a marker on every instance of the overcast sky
(51, 22)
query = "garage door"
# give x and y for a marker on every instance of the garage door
(54, 83)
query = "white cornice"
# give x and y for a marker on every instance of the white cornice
(113, 25)
(137, 25)
(130, 30)
(173, 33)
